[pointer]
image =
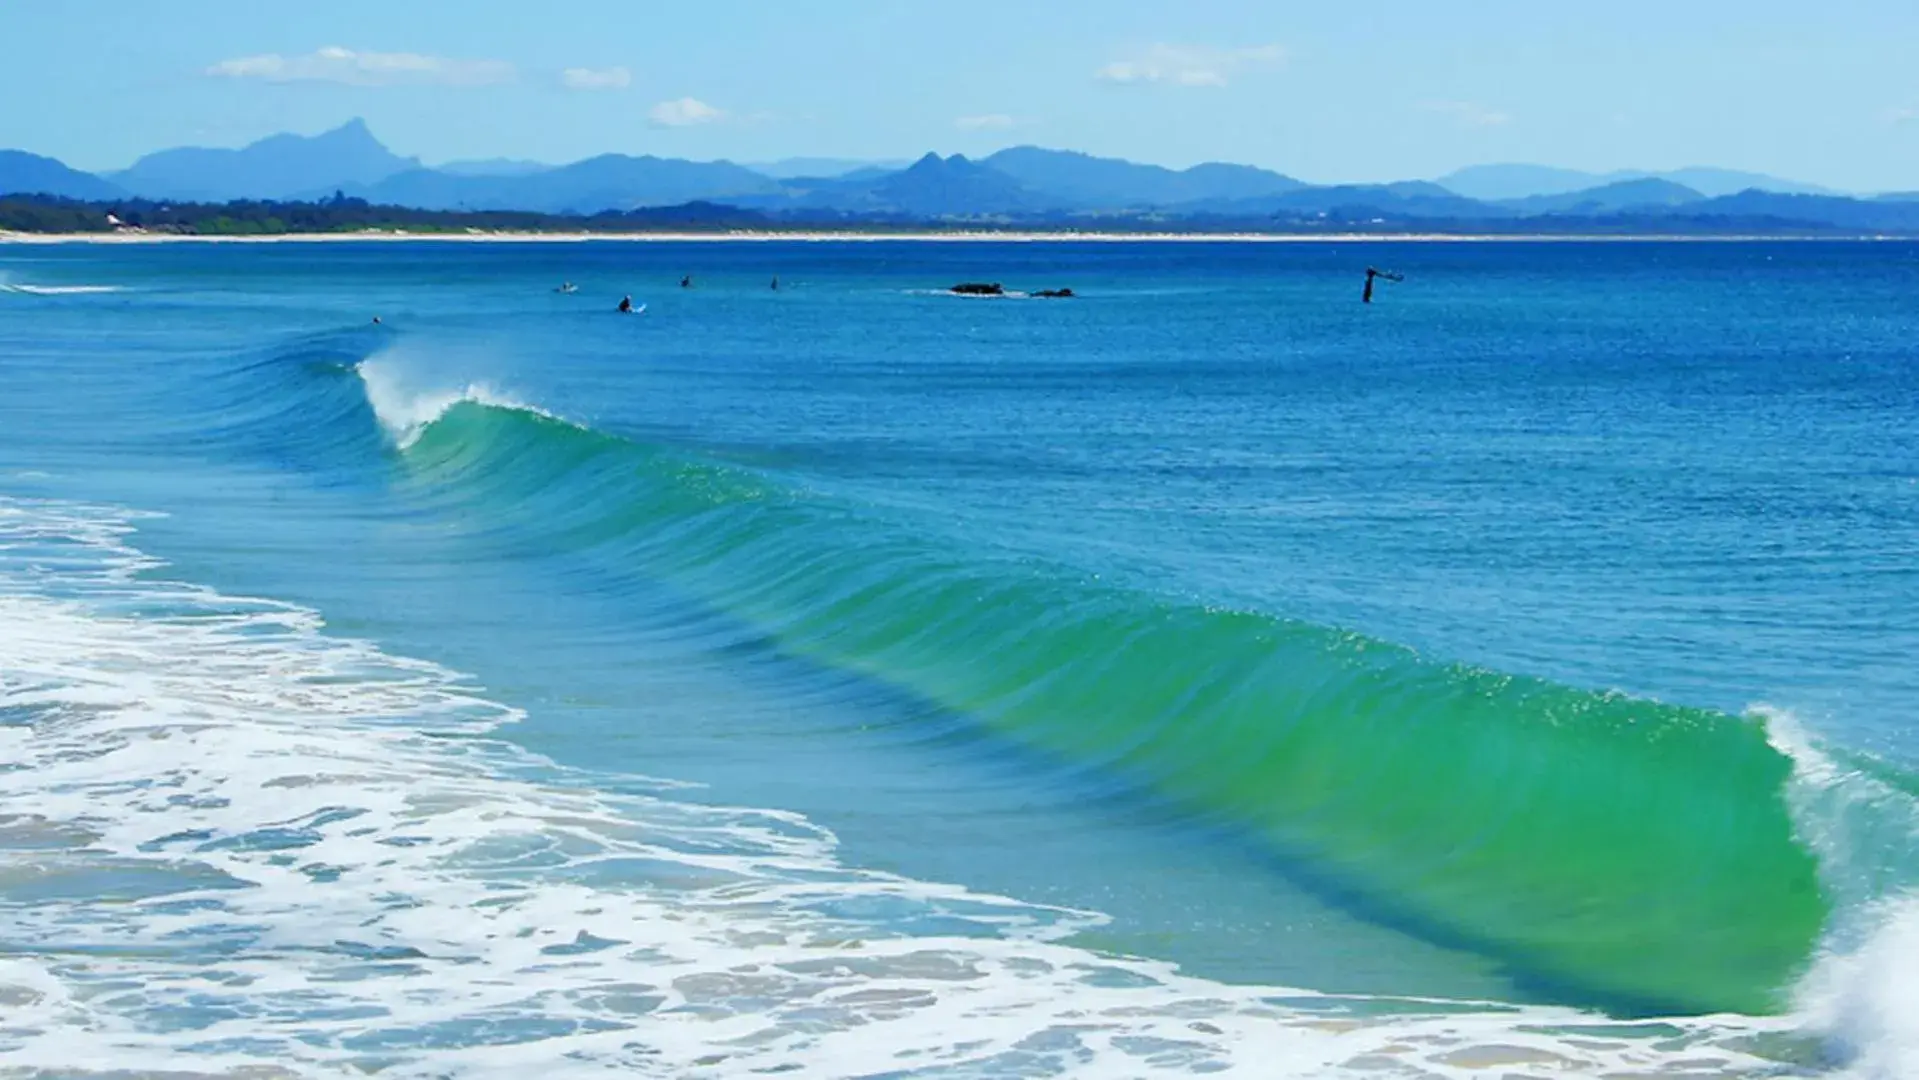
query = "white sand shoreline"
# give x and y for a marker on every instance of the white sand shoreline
(388, 236)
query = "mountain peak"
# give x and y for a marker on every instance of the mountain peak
(353, 133)
(279, 166)
(932, 164)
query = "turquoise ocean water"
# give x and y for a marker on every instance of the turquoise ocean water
(1209, 674)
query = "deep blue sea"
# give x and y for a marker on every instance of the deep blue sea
(1208, 674)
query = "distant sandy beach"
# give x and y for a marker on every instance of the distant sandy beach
(389, 236)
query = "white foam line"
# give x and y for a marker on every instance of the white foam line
(58, 290)
(404, 411)
(229, 841)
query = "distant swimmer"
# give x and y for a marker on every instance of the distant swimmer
(686, 282)
(567, 287)
(1367, 296)
(376, 320)
(776, 283)
(626, 305)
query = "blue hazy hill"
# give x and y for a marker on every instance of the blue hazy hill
(493, 167)
(1517, 181)
(1082, 180)
(606, 182)
(933, 186)
(1836, 211)
(818, 168)
(1411, 198)
(1624, 195)
(22, 173)
(936, 186)
(278, 167)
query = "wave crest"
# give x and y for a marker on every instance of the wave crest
(405, 410)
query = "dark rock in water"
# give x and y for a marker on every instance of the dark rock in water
(978, 288)
(1055, 294)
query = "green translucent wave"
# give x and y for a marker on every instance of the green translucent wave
(1627, 853)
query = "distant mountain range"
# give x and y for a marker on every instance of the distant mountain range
(607, 182)
(1611, 198)
(1084, 181)
(493, 167)
(32, 174)
(280, 167)
(1500, 182)
(1023, 183)
(790, 168)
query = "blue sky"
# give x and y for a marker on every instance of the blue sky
(1383, 89)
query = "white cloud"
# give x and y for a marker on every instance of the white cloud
(354, 68)
(1467, 113)
(1190, 65)
(684, 112)
(1902, 116)
(612, 78)
(987, 122)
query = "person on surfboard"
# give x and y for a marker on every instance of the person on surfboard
(1367, 296)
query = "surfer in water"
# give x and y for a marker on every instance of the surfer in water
(686, 281)
(567, 287)
(1367, 296)
(626, 305)
(776, 283)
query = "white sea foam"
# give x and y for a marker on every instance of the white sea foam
(232, 844)
(58, 290)
(1866, 998)
(405, 409)
(1008, 294)
(1863, 991)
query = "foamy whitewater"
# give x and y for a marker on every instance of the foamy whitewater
(842, 682)
(233, 841)
(58, 290)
